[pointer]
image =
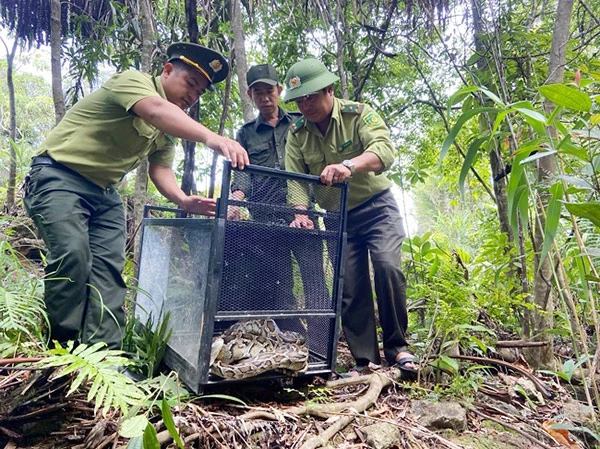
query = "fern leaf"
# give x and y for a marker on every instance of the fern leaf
(96, 365)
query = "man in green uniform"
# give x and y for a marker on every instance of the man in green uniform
(341, 141)
(71, 189)
(264, 139)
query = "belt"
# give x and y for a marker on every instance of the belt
(48, 161)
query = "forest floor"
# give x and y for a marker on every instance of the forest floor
(486, 403)
(510, 408)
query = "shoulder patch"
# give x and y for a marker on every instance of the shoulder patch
(373, 119)
(298, 125)
(355, 108)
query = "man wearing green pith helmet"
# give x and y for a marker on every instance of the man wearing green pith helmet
(71, 190)
(340, 141)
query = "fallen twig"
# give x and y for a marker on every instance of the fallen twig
(520, 344)
(548, 394)
(510, 427)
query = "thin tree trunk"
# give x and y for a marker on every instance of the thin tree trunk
(241, 64)
(188, 183)
(226, 96)
(539, 320)
(141, 175)
(55, 60)
(12, 132)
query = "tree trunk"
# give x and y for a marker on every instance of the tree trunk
(241, 64)
(226, 96)
(12, 132)
(188, 183)
(141, 174)
(55, 60)
(539, 320)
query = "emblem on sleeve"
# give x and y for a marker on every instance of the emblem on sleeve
(372, 119)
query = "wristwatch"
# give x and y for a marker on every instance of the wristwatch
(348, 163)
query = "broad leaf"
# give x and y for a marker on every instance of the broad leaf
(446, 363)
(133, 427)
(151, 438)
(566, 96)
(590, 210)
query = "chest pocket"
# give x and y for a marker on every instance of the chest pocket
(259, 155)
(315, 161)
(314, 157)
(148, 132)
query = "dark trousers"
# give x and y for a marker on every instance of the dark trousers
(374, 229)
(83, 227)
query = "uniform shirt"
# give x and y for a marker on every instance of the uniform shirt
(353, 129)
(102, 139)
(265, 145)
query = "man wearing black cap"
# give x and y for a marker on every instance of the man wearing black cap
(264, 139)
(71, 192)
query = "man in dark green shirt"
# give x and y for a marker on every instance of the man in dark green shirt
(264, 139)
(71, 189)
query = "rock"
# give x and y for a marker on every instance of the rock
(381, 435)
(444, 415)
(577, 412)
(495, 405)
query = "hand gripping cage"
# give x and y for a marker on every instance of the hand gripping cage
(247, 262)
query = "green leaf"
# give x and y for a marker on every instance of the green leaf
(472, 152)
(566, 96)
(552, 218)
(461, 94)
(590, 210)
(538, 155)
(170, 424)
(458, 126)
(578, 182)
(446, 363)
(151, 438)
(225, 397)
(133, 427)
(535, 119)
(517, 192)
(136, 443)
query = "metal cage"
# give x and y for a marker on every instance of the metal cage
(247, 262)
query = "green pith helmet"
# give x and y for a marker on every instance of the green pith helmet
(307, 77)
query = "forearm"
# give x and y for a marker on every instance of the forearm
(367, 162)
(171, 120)
(164, 180)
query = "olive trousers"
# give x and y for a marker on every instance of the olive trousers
(83, 227)
(374, 229)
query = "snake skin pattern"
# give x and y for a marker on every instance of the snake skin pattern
(252, 347)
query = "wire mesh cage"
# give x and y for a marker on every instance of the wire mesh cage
(274, 254)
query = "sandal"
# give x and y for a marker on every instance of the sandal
(408, 372)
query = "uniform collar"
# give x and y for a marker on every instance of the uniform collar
(283, 115)
(159, 87)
